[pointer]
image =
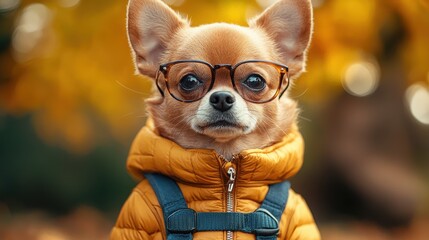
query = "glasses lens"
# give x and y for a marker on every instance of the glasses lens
(257, 81)
(189, 81)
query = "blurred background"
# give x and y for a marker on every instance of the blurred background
(70, 106)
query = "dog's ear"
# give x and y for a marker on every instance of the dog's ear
(289, 23)
(151, 24)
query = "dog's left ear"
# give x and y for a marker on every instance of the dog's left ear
(289, 23)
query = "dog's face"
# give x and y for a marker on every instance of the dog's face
(215, 99)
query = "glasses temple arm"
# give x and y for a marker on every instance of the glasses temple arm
(157, 85)
(287, 85)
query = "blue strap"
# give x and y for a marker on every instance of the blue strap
(276, 199)
(181, 221)
(275, 202)
(260, 222)
(170, 198)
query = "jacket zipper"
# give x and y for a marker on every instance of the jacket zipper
(232, 174)
(230, 197)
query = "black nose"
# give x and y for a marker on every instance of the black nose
(222, 100)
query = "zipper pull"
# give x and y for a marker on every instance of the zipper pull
(231, 174)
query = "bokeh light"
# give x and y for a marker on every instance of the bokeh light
(29, 31)
(417, 97)
(7, 5)
(361, 78)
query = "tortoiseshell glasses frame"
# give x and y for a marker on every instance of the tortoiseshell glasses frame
(282, 70)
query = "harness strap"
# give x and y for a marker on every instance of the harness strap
(276, 199)
(181, 221)
(261, 222)
(275, 202)
(170, 198)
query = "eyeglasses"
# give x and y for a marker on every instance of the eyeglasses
(256, 81)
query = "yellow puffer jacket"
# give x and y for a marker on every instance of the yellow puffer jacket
(202, 176)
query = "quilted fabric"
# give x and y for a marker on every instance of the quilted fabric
(202, 177)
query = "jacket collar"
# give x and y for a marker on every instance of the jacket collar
(153, 153)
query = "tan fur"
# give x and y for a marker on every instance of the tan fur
(281, 34)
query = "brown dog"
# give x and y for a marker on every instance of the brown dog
(220, 87)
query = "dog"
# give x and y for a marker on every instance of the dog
(220, 121)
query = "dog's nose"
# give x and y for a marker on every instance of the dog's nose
(222, 100)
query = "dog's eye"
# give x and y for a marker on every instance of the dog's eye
(189, 82)
(255, 83)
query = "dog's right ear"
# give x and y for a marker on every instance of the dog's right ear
(151, 25)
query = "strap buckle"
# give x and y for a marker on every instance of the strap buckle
(267, 231)
(182, 221)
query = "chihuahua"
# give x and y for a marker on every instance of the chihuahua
(219, 87)
(220, 117)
